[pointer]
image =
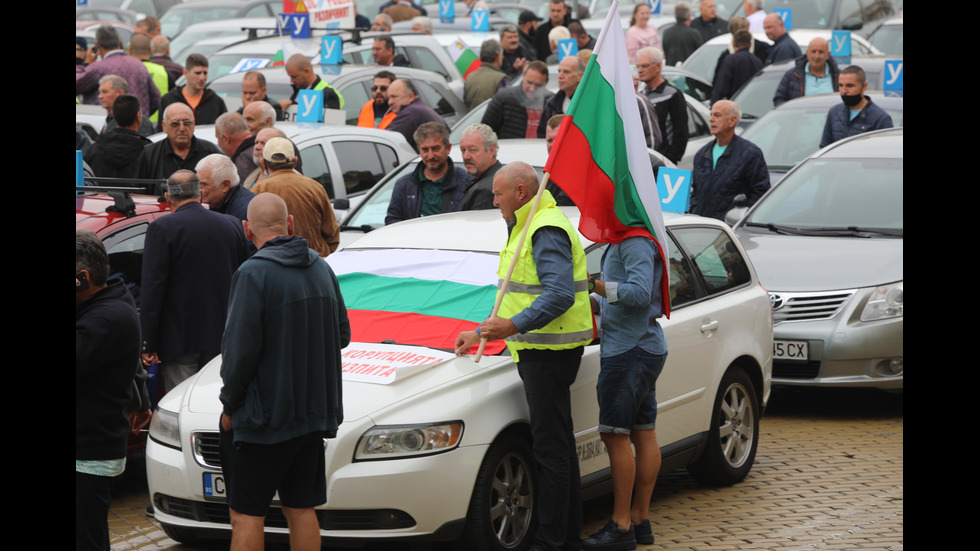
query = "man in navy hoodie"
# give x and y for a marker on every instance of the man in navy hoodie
(282, 389)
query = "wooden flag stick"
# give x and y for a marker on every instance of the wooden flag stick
(513, 261)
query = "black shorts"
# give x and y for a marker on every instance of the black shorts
(254, 472)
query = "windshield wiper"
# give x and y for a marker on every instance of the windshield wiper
(362, 228)
(850, 231)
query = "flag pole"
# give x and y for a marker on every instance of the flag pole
(513, 261)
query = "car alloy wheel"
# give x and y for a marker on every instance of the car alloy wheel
(734, 433)
(501, 513)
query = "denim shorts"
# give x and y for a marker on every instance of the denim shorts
(627, 391)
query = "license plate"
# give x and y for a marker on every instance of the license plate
(214, 487)
(790, 350)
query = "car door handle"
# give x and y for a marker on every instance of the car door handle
(708, 325)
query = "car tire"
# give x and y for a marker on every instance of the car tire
(734, 433)
(180, 535)
(501, 512)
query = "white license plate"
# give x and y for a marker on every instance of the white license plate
(790, 350)
(214, 486)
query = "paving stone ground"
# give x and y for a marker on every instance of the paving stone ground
(828, 475)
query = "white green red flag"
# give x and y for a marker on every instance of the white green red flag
(600, 156)
(416, 296)
(464, 57)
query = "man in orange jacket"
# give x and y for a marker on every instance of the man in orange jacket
(375, 113)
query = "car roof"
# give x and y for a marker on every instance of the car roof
(802, 37)
(888, 102)
(91, 209)
(298, 132)
(880, 144)
(475, 230)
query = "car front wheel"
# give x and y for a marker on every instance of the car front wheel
(501, 512)
(734, 433)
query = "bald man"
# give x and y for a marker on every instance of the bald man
(783, 45)
(726, 167)
(302, 77)
(279, 298)
(815, 73)
(547, 308)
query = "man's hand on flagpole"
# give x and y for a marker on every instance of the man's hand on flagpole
(496, 328)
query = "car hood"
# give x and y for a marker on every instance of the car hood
(799, 264)
(360, 398)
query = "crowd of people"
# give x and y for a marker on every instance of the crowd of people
(220, 279)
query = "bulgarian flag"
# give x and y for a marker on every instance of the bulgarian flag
(464, 57)
(411, 296)
(600, 157)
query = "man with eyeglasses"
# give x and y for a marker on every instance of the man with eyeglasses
(374, 113)
(516, 111)
(181, 150)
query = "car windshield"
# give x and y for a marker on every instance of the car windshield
(787, 136)
(889, 39)
(836, 197)
(422, 297)
(175, 21)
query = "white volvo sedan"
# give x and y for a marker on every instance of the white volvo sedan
(437, 447)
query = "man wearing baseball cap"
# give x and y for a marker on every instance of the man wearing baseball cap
(306, 199)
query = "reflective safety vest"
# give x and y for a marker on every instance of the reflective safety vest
(574, 327)
(162, 81)
(366, 118)
(322, 85)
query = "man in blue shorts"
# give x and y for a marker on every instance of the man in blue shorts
(282, 390)
(631, 358)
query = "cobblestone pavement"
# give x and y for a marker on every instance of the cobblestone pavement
(828, 475)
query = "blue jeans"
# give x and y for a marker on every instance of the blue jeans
(627, 391)
(547, 376)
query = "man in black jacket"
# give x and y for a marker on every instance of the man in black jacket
(516, 111)
(189, 257)
(558, 12)
(107, 340)
(115, 154)
(205, 104)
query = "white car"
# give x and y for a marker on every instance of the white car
(346, 160)
(704, 60)
(439, 449)
(370, 211)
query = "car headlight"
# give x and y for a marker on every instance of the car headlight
(165, 428)
(394, 442)
(886, 301)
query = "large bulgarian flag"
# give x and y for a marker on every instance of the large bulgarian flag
(416, 296)
(600, 156)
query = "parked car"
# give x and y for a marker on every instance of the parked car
(369, 214)
(828, 245)
(704, 60)
(211, 36)
(185, 14)
(697, 113)
(142, 8)
(460, 463)
(863, 16)
(890, 37)
(354, 83)
(422, 52)
(791, 132)
(346, 160)
(755, 96)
